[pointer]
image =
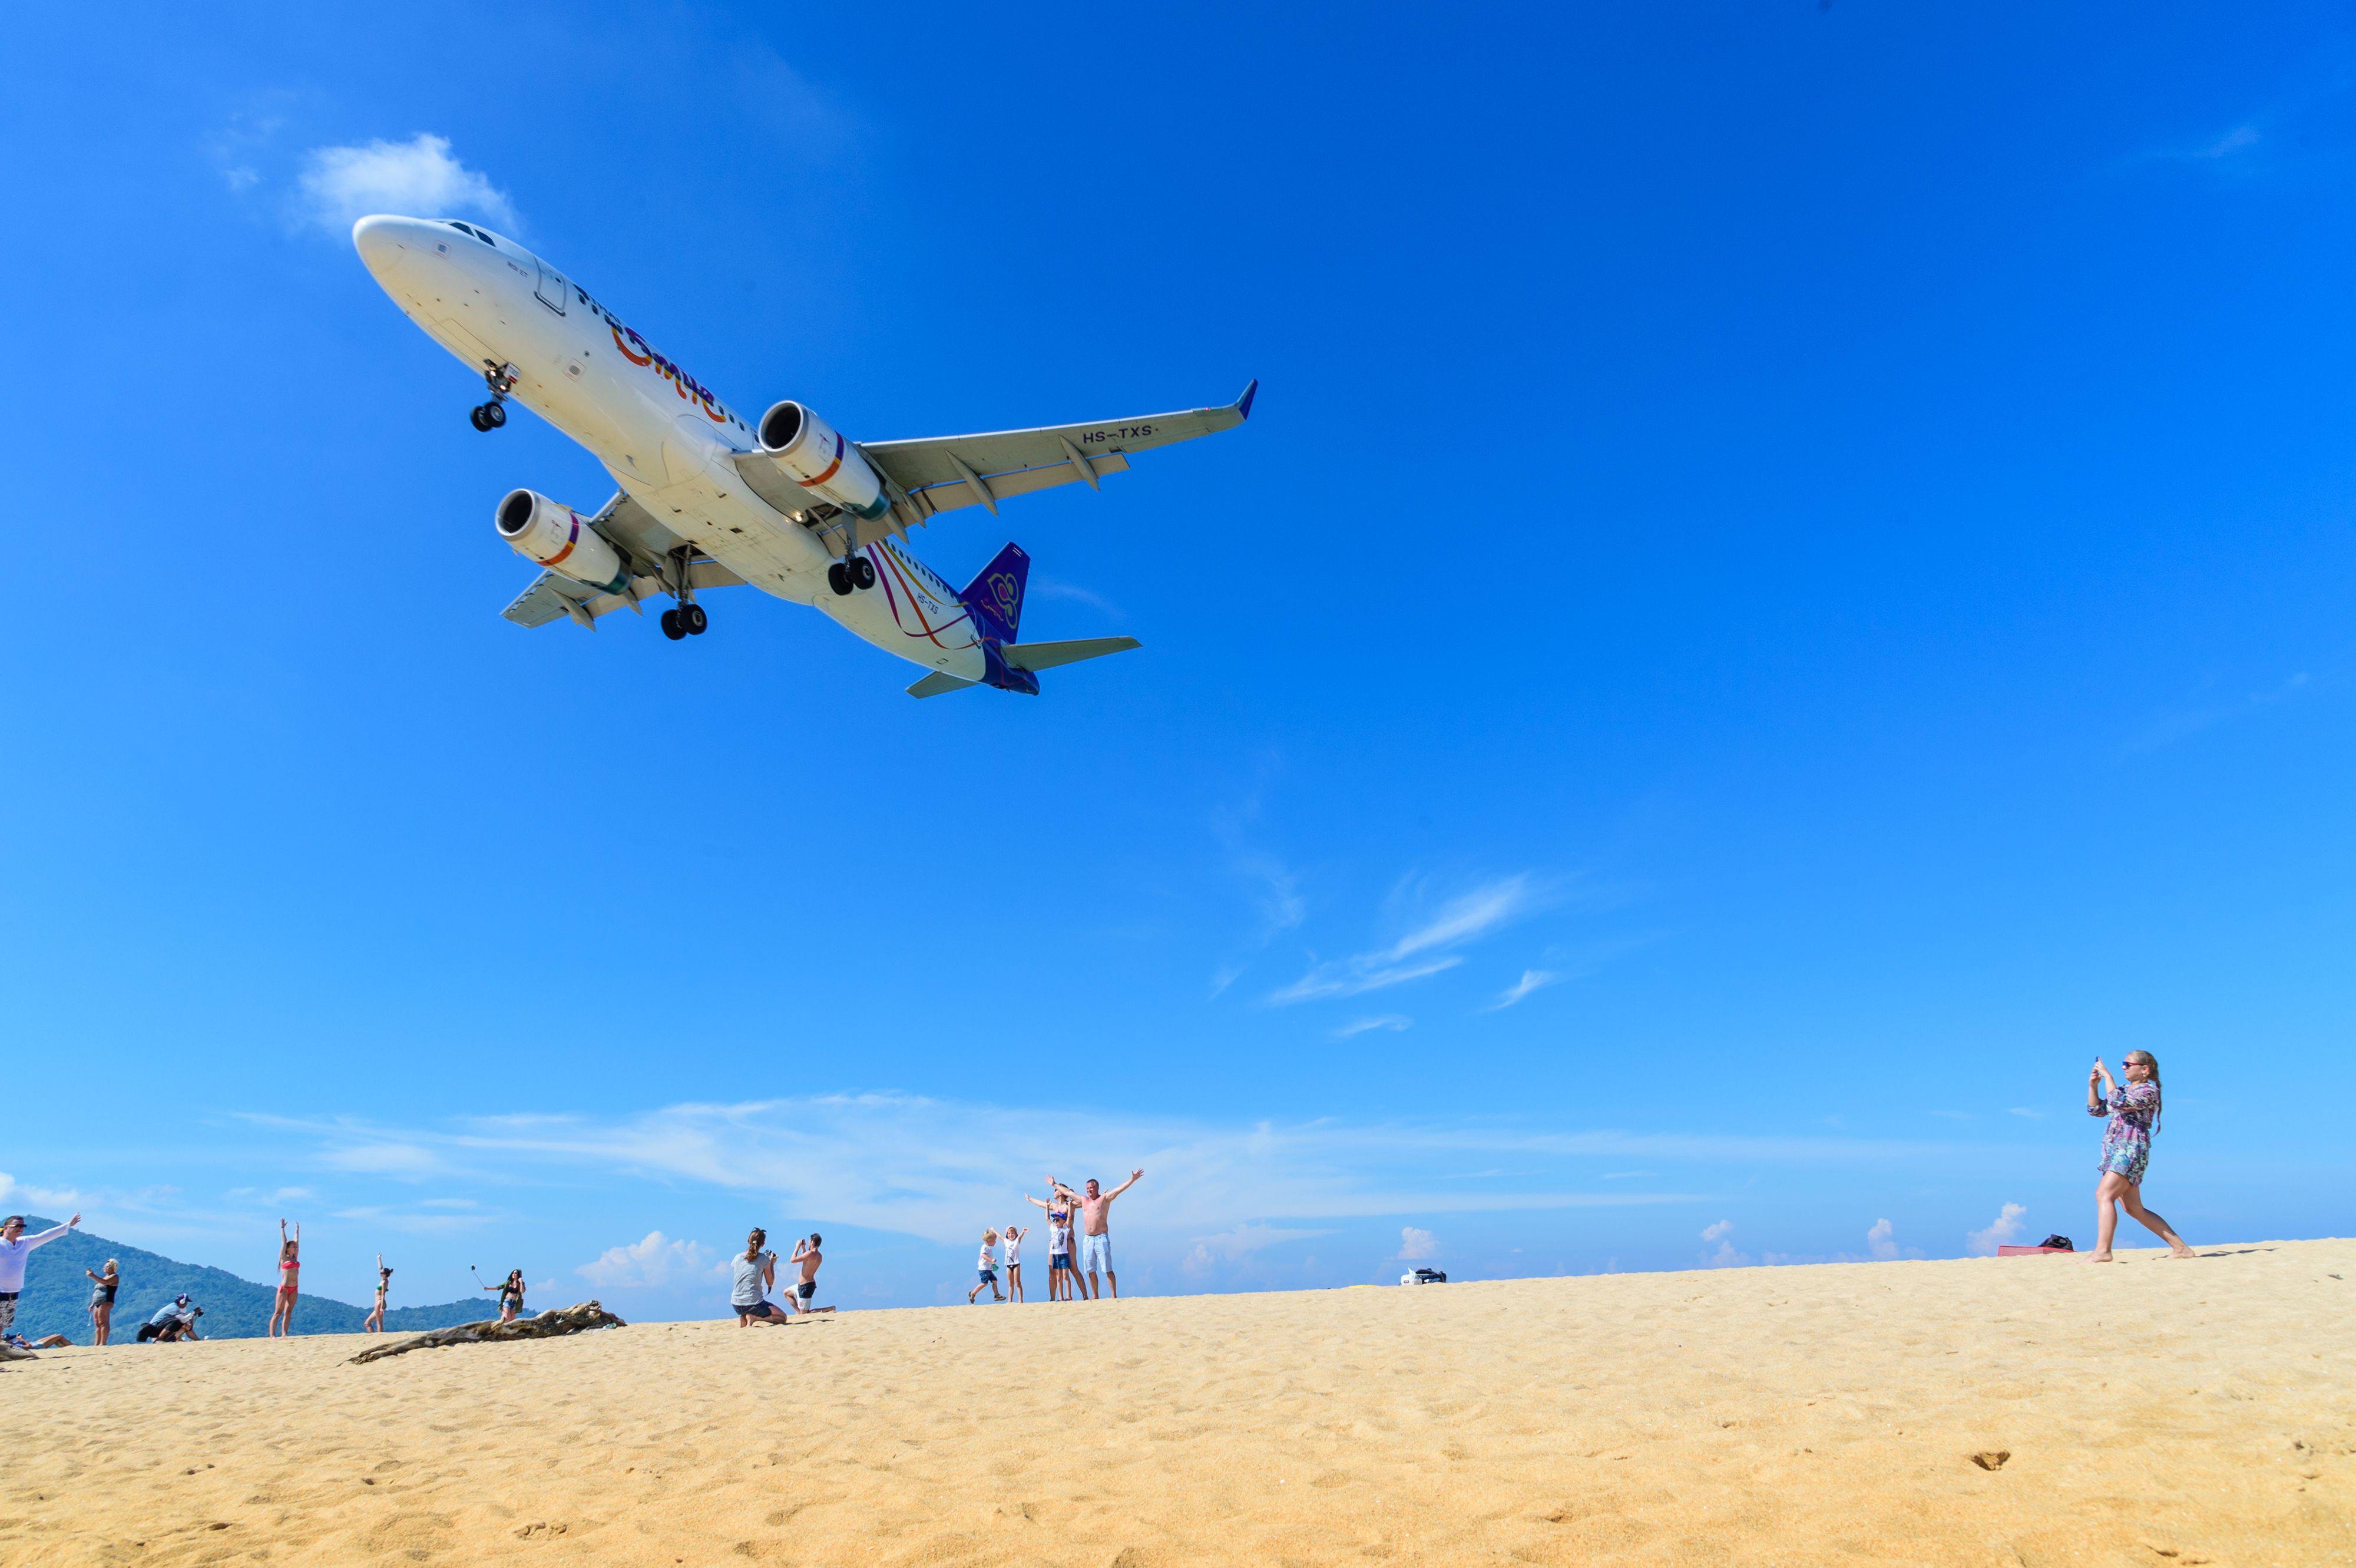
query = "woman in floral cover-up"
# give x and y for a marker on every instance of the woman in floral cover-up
(2134, 1111)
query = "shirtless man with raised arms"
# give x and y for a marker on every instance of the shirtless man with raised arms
(1096, 1238)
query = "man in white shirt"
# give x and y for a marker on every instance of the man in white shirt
(14, 1245)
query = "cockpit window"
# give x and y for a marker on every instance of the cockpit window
(477, 233)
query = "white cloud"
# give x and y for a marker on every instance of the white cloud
(653, 1260)
(1727, 1256)
(1424, 951)
(2024, 1111)
(385, 1157)
(418, 177)
(57, 1198)
(2004, 1229)
(1394, 1022)
(1712, 1232)
(1042, 586)
(1415, 1243)
(1880, 1240)
(290, 1193)
(1531, 980)
(1234, 1246)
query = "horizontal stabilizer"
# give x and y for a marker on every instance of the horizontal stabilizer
(939, 681)
(1047, 655)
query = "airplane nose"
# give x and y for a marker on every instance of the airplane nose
(390, 246)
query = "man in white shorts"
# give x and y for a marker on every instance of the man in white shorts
(1096, 1235)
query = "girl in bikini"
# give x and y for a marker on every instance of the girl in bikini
(511, 1295)
(375, 1324)
(2134, 1111)
(290, 1269)
(102, 1300)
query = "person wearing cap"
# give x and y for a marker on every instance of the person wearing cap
(14, 1246)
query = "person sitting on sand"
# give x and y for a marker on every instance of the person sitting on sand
(807, 1254)
(14, 1247)
(511, 1295)
(988, 1268)
(1096, 1234)
(755, 1270)
(102, 1300)
(290, 1270)
(2127, 1149)
(375, 1323)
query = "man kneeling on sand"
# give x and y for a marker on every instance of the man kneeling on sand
(807, 1254)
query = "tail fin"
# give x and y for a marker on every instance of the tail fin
(995, 596)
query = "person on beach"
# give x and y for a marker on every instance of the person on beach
(2134, 1111)
(175, 1319)
(290, 1271)
(511, 1295)
(756, 1271)
(1096, 1235)
(807, 1254)
(15, 1246)
(375, 1324)
(1014, 1234)
(102, 1300)
(988, 1267)
(1059, 1204)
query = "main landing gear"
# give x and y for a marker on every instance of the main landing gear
(850, 571)
(501, 380)
(688, 620)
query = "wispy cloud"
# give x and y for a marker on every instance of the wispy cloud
(2189, 721)
(1391, 1021)
(1234, 1246)
(419, 176)
(1426, 949)
(2026, 1112)
(1046, 588)
(1727, 1256)
(1531, 980)
(2003, 1230)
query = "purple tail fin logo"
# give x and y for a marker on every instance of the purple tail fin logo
(995, 596)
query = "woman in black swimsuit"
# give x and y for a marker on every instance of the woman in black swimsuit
(511, 1295)
(102, 1300)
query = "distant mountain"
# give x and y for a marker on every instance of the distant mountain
(57, 1297)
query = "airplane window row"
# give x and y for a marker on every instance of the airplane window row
(477, 233)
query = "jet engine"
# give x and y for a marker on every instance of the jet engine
(561, 540)
(822, 461)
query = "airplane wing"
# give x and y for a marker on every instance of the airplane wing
(942, 473)
(639, 536)
(943, 469)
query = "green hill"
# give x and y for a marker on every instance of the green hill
(56, 1297)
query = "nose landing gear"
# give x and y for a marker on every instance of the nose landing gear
(502, 380)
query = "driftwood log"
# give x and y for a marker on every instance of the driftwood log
(577, 1319)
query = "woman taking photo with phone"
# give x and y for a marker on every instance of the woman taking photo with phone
(2134, 1111)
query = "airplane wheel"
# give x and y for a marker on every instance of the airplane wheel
(474, 418)
(694, 620)
(671, 628)
(863, 572)
(838, 577)
(494, 416)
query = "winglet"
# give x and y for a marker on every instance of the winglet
(1243, 404)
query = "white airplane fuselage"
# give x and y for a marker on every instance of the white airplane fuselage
(663, 436)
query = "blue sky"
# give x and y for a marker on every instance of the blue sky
(1788, 585)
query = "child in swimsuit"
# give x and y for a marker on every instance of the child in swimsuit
(290, 1269)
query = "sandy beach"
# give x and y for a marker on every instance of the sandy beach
(2153, 1412)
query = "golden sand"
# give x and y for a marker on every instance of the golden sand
(2155, 1413)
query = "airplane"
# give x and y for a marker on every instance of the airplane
(785, 503)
